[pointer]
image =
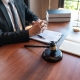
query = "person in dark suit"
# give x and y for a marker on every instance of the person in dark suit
(8, 33)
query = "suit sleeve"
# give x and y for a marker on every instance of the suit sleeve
(30, 16)
(13, 37)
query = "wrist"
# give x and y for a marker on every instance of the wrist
(31, 33)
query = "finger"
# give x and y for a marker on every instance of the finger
(39, 20)
(43, 30)
(45, 21)
(41, 23)
(33, 22)
(45, 25)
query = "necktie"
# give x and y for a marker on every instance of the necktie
(14, 16)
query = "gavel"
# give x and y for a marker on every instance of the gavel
(51, 54)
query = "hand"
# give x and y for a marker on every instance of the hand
(28, 27)
(37, 27)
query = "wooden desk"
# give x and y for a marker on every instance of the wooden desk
(19, 63)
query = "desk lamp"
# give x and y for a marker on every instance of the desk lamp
(51, 54)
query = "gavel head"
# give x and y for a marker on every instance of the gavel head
(53, 47)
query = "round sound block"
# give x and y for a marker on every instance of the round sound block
(52, 57)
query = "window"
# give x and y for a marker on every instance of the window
(72, 4)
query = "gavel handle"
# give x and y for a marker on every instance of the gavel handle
(36, 46)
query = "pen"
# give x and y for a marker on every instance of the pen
(40, 36)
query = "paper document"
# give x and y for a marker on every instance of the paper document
(73, 38)
(47, 36)
(71, 44)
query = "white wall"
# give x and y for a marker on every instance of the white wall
(36, 7)
(39, 7)
(54, 5)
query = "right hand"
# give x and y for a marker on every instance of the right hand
(37, 27)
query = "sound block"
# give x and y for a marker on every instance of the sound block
(50, 56)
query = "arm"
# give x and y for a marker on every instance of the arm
(13, 37)
(7, 37)
(30, 16)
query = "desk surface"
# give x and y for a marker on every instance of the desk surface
(19, 63)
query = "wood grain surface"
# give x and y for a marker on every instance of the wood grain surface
(19, 63)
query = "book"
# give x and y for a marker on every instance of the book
(47, 36)
(71, 44)
(58, 13)
(58, 19)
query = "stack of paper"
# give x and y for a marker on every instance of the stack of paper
(47, 36)
(71, 44)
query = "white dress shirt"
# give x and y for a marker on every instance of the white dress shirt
(5, 2)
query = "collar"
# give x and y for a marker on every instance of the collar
(6, 1)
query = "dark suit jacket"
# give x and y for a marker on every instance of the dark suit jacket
(7, 34)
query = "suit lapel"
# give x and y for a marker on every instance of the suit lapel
(2, 7)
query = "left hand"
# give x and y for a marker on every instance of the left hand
(42, 24)
(37, 27)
